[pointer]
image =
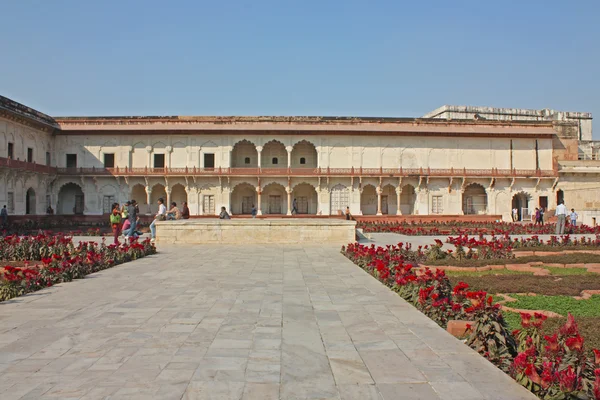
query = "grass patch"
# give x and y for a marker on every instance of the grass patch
(487, 273)
(567, 271)
(559, 304)
(567, 285)
(586, 258)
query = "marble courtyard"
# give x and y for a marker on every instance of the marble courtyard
(235, 322)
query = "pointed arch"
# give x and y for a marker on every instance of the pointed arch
(474, 199)
(244, 155)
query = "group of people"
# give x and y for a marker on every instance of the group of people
(125, 219)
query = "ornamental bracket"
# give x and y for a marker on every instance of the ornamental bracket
(555, 183)
(512, 183)
(537, 184)
(450, 184)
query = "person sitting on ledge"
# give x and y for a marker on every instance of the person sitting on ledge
(185, 212)
(348, 216)
(224, 214)
(49, 210)
(160, 216)
(174, 212)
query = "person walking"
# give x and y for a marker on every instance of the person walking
(185, 211)
(253, 211)
(573, 216)
(561, 214)
(132, 212)
(160, 216)
(294, 207)
(4, 215)
(542, 216)
(115, 222)
(537, 216)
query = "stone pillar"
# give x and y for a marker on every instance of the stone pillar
(148, 195)
(379, 200)
(258, 200)
(168, 151)
(168, 190)
(128, 164)
(149, 150)
(259, 152)
(398, 200)
(289, 154)
(289, 199)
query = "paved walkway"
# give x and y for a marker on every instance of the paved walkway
(235, 323)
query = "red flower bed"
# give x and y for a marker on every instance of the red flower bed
(468, 228)
(559, 370)
(60, 261)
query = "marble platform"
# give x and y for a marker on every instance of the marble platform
(257, 231)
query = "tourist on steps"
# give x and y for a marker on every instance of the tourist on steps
(561, 214)
(253, 211)
(160, 216)
(224, 214)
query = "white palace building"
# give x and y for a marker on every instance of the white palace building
(453, 161)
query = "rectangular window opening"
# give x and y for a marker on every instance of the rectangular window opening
(11, 150)
(107, 203)
(109, 160)
(11, 202)
(29, 154)
(47, 158)
(436, 205)
(159, 161)
(209, 160)
(71, 160)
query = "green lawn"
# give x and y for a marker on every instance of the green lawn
(484, 273)
(567, 271)
(559, 304)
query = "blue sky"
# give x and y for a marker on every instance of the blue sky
(382, 58)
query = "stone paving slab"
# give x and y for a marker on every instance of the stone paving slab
(234, 322)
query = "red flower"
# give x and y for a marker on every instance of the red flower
(567, 380)
(597, 356)
(525, 320)
(570, 327)
(575, 343)
(553, 345)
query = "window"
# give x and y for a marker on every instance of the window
(159, 161)
(436, 205)
(247, 160)
(11, 150)
(302, 160)
(11, 202)
(109, 160)
(48, 201)
(29, 154)
(107, 203)
(274, 161)
(71, 160)
(208, 205)
(47, 158)
(209, 160)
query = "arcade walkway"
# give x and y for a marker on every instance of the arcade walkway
(234, 323)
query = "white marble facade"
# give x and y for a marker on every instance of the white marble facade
(374, 167)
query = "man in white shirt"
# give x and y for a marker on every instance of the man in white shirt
(561, 214)
(573, 216)
(160, 216)
(515, 214)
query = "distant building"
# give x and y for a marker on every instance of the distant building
(453, 161)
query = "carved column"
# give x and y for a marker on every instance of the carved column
(168, 151)
(379, 200)
(149, 150)
(168, 190)
(129, 150)
(398, 200)
(289, 154)
(148, 195)
(259, 152)
(258, 200)
(289, 199)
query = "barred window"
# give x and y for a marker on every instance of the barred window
(436, 205)
(107, 203)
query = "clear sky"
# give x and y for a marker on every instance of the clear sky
(277, 57)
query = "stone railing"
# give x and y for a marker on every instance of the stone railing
(383, 172)
(26, 166)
